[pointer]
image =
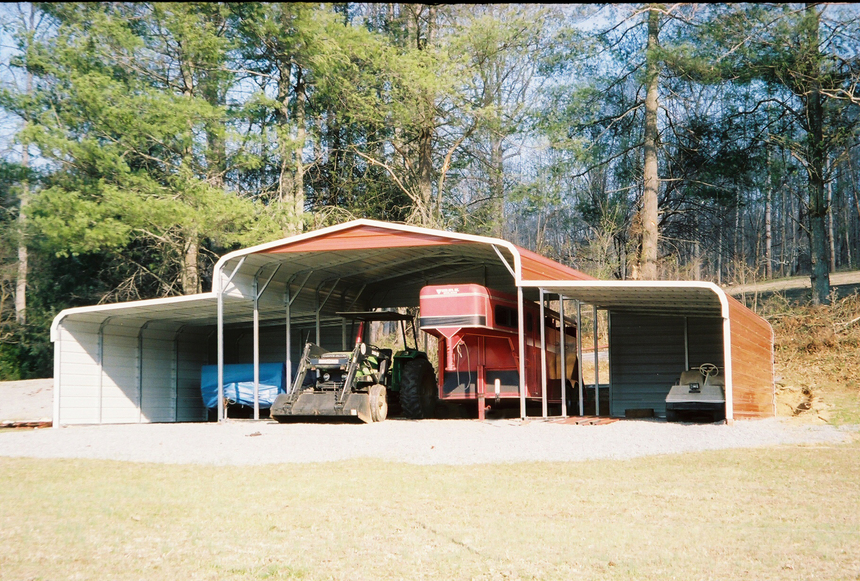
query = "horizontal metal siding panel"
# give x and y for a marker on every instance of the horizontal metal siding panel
(752, 363)
(79, 390)
(193, 354)
(158, 399)
(74, 381)
(119, 411)
(121, 332)
(77, 344)
(75, 415)
(86, 350)
(646, 357)
(81, 369)
(121, 378)
(118, 402)
(127, 416)
(705, 340)
(153, 333)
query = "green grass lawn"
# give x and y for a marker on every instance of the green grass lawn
(776, 513)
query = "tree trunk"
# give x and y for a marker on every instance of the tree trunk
(425, 172)
(21, 282)
(820, 276)
(298, 201)
(720, 254)
(852, 179)
(497, 184)
(786, 224)
(736, 236)
(190, 266)
(652, 180)
(285, 175)
(23, 253)
(426, 131)
(768, 226)
(830, 230)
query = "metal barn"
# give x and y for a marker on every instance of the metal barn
(140, 361)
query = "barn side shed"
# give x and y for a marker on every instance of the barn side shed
(140, 361)
(657, 329)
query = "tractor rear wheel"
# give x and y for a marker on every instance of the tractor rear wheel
(378, 403)
(418, 391)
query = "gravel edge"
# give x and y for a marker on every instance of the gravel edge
(425, 442)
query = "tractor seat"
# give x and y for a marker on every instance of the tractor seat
(694, 376)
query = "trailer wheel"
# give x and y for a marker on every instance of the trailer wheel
(378, 403)
(418, 392)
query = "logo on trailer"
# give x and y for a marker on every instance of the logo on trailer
(448, 291)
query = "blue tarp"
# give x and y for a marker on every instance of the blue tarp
(239, 383)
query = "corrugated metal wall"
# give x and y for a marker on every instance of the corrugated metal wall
(120, 400)
(77, 372)
(752, 364)
(122, 373)
(192, 355)
(647, 356)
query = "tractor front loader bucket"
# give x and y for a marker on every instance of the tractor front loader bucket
(331, 392)
(324, 403)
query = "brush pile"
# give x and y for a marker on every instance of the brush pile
(816, 352)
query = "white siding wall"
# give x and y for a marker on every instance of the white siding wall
(163, 387)
(78, 384)
(192, 356)
(159, 375)
(120, 398)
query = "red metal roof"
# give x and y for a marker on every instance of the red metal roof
(363, 235)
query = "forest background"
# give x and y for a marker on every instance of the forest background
(140, 141)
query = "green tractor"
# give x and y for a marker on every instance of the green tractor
(363, 382)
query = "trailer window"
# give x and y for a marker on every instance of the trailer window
(505, 317)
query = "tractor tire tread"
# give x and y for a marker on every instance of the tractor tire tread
(418, 393)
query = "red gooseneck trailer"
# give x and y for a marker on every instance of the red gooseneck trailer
(477, 328)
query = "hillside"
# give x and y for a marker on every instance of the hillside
(815, 352)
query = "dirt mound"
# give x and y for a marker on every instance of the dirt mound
(26, 401)
(815, 353)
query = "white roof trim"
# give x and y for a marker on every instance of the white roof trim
(219, 266)
(111, 308)
(634, 284)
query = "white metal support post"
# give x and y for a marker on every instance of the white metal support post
(543, 356)
(140, 371)
(288, 315)
(220, 301)
(220, 354)
(686, 346)
(562, 348)
(596, 365)
(727, 370)
(102, 364)
(258, 292)
(317, 308)
(609, 356)
(522, 348)
(579, 355)
(58, 369)
(256, 350)
(288, 303)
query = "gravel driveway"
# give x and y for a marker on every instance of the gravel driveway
(415, 442)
